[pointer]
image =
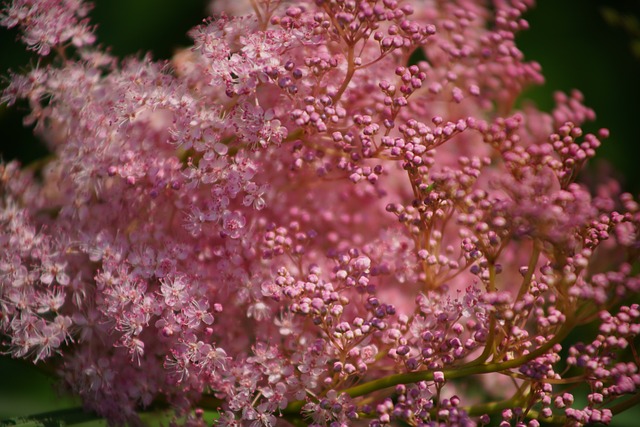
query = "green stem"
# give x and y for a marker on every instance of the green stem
(458, 372)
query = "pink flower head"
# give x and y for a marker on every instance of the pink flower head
(322, 211)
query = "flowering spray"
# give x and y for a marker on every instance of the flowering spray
(325, 213)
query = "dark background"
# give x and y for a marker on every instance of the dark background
(590, 45)
(593, 46)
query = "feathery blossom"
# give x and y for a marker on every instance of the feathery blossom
(326, 212)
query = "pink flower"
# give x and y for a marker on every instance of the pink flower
(233, 224)
(320, 211)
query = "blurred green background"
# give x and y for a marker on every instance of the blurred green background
(591, 45)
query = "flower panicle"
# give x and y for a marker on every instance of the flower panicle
(328, 212)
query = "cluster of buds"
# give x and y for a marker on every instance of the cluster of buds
(327, 212)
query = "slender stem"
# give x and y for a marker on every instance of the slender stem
(489, 346)
(351, 69)
(256, 9)
(458, 372)
(526, 281)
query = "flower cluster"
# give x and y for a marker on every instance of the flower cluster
(330, 212)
